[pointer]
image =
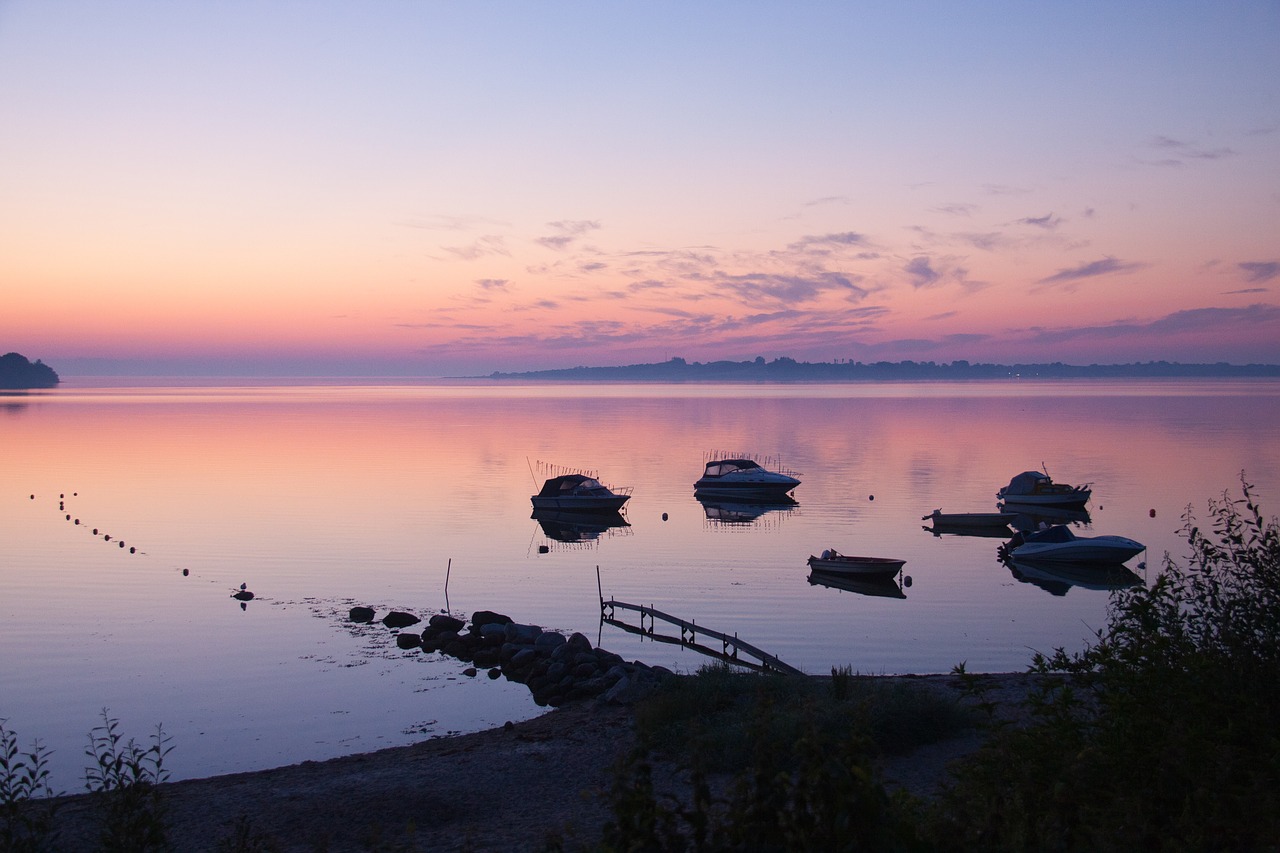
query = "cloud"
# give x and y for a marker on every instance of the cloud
(921, 272)
(1246, 290)
(1048, 221)
(786, 289)
(1259, 271)
(501, 285)
(1195, 320)
(1105, 266)
(490, 244)
(841, 239)
(567, 231)
(827, 199)
(1183, 151)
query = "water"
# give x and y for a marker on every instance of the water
(320, 497)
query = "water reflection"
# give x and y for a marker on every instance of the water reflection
(1058, 578)
(883, 587)
(744, 512)
(565, 526)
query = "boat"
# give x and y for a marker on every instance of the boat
(742, 477)
(1058, 544)
(969, 520)
(1036, 488)
(832, 562)
(579, 493)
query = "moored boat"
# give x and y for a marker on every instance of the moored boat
(969, 519)
(743, 477)
(1036, 488)
(1059, 544)
(836, 563)
(579, 493)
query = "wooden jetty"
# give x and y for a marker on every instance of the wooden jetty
(732, 649)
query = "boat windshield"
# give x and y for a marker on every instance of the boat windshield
(727, 466)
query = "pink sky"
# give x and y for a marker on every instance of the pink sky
(439, 189)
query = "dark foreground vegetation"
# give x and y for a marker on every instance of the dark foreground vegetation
(1161, 735)
(17, 373)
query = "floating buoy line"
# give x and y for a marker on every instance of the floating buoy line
(243, 595)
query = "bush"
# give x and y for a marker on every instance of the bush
(1161, 734)
(26, 810)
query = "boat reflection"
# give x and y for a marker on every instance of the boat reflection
(743, 512)
(1027, 518)
(575, 527)
(1058, 578)
(883, 587)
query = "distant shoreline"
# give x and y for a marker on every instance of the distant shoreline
(789, 370)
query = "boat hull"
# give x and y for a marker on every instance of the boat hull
(865, 566)
(569, 503)
(1116, 549)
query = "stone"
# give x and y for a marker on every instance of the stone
(549, 640)
(517, 633)
(445, 622)
(408, 641)
(361, 614)
(487, 617)
(400, 619)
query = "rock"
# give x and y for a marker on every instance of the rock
(549, 640)
(361, 614)
(493, 633)
(578, 642)
(486, 658)
(517, 633)
(495, 673)
(408, 641)
(399, 619)
(487, 617)
(445, 622)
(470, 672)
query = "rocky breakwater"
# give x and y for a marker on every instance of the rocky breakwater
(556, 669)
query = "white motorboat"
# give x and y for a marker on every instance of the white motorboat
(1036, 488)
(579, 493)
(743, 477)
(832, 562)
(1059, 545)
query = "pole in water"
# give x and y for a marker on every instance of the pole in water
(599, 589)
(447, 570)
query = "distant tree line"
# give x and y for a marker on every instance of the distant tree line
(788, 369)
(18, 373)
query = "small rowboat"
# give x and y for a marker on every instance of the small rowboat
(835, 563)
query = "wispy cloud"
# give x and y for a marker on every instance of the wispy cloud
(1048, 221)
(921, 273)
(497, 285)
(825, 241)
(786, 289)
(566, 232)
(1179, 151)
(486, 246)
(957, 209)
(1244, 290)
(1106, 266)
(1195, 320)
(1259, 271)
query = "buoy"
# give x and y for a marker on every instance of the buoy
(664, 516)
(121, 543)
(186, 572)
(133, 550)
(77, 521)
(871, 497)
(33, 497)
(95, 531)
(60, 497)
(906, 580)
(68, 516)
(242, 595)
(1152, 513)
(106, 537)
(542, 549)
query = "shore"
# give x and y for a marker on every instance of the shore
(512, 788)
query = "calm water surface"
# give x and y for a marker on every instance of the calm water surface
(319, 497)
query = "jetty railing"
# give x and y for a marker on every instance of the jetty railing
(732, 649)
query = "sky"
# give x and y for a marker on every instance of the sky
(448, 189)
